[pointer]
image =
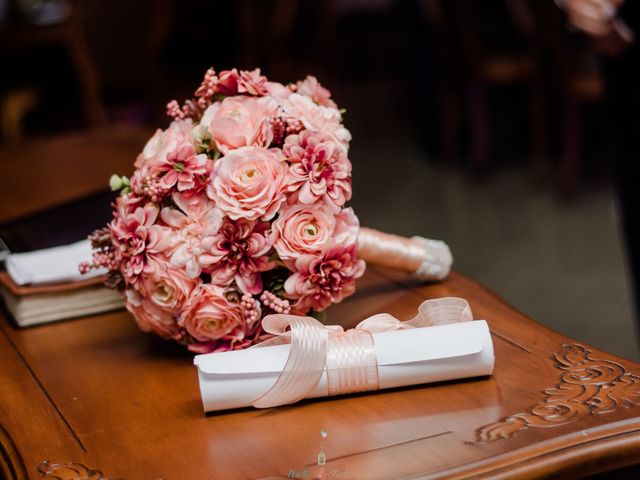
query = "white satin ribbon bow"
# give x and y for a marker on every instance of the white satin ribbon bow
(349, 357)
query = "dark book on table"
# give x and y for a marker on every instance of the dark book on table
(60, 225)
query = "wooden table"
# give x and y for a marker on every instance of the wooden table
(96, 398)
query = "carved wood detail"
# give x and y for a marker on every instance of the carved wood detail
(588, 386)
(11, 464)
(68, 471)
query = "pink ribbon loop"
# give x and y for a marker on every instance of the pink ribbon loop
(305, 363)
(351, 363)
(349, 358)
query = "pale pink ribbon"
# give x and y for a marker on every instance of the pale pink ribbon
(425, 258)
(349, 357)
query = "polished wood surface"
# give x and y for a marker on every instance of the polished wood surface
(97, 398)
(100, 395)
(49, 171)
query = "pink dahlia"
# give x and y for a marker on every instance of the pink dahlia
(195, 217)
(183, 167)
(135, 236)
(232, 82)
(238, 251)
(162, 143)
(252, 83)
(320, 281)
(319, 170)
(312, 88)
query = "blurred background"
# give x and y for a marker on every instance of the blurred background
(485, 123)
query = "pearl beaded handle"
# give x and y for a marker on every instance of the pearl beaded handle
(426, 259)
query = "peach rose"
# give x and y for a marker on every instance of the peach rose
(303, 229)
(240, 121)
(249, 183)
(209, 315)
(150, 317)
(170, 289)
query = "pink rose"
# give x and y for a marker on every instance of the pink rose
(319, 170)
(238, 251)
(249, 183)
(209, 315)
(169, 289)
(240, 121)
(312, 88)
(150, 317)
(301, 230)
(319, 282)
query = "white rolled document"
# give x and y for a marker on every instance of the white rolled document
(402, 355)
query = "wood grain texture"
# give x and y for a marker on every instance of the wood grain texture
(97, 397)
(125, 404)
(41, 173)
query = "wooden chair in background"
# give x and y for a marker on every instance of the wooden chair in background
(543, 57)
(109, 47)
(473, 64)
(68, 33)
(575, 81)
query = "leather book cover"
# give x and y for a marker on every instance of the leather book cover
(59, 225)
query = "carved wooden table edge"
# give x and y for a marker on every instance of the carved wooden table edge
(568, 455)
(565, 456)
(11, 464)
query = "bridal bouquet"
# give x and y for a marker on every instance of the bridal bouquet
(237, 210)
